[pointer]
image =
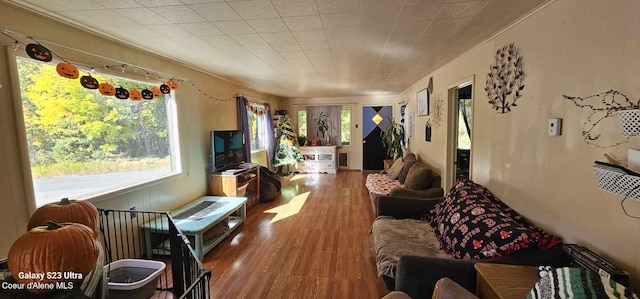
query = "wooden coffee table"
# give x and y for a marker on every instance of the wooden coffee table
(505, 281)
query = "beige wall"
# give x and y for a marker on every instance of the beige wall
(573, 47)
(197, 115)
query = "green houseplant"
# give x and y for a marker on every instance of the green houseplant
(393, 139)
(322, 127)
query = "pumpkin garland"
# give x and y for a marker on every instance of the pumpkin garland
(70, 249)
(66, 69)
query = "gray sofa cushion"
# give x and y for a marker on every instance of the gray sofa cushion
(419, 177)
(394, 238)
(408, 163)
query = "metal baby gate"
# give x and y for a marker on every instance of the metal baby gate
(154, 235)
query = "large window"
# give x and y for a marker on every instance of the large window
(345, 125)
(257, 119)
(82, 144)
(302, 122)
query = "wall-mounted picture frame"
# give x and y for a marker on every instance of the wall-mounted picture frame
(422, 99)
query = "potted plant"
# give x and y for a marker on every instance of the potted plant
(302, 140)
(393, 139)
(322, 127)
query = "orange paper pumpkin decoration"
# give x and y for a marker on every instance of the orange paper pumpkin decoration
(106, 89)
(135, 95)
(173, 84)
(39, 52)
(156, 92)
(147, 94)
(89, 82)
(122, 93)
(67, 70)
(164, 88)
(54, 248)
(66, 210)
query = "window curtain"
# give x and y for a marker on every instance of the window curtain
(334, 115)
(269, 135)
(243, 124)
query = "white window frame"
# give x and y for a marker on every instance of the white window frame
(350, 126)
(177, 165)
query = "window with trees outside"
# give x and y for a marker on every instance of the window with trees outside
(302, 123)
(257, 128)
(345, 126)
(82, 144)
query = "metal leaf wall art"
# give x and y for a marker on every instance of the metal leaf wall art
(505, 80)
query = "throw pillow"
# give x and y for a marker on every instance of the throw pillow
(409, 156)
(419, 177)
(395, 169)
(409, 160)
(471, 224)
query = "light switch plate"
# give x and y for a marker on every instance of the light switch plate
(555, 126)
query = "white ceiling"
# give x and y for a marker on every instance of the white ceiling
(298, 48)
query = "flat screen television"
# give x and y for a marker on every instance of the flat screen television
(227, 150)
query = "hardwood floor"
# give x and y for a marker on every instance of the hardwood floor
(313, 241)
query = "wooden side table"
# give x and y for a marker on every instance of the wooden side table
(505, 281)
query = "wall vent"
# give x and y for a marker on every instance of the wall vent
(343, 160)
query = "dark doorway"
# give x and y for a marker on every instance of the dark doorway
(375, 119)
(463, 148)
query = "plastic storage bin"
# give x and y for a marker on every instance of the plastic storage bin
(133, 278)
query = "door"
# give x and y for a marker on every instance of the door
(459, 132)
(375, 119)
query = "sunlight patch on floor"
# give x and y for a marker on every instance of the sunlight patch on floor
(289, 209)
(297, 176)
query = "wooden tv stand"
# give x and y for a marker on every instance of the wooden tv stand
(243, 183)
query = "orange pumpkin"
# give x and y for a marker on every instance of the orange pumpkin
(53, 248)
(156, 92)
(106, 89)
(67, 70)
(66, 210)
(173, 84)
(135, 95)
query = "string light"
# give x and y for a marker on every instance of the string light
(122, 66)
(610, 106)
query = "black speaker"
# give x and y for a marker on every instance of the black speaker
(581, 257)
